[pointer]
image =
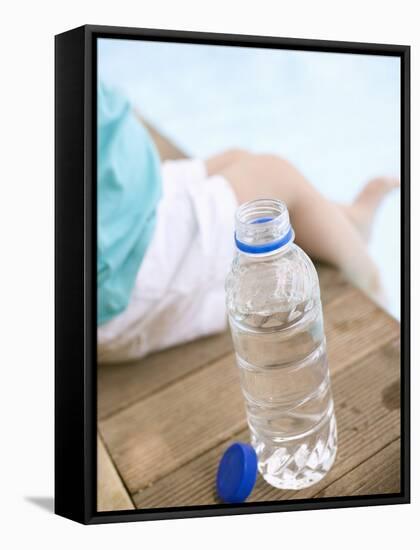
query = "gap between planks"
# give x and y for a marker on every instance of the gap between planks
(112, 494)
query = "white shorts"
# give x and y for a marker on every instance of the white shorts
(179, 293)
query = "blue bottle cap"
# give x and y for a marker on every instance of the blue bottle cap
(237, 473)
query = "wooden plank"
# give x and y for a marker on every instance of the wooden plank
(157, 435)
(120, 385)
(350, 317)
(366, 424)
(355, 326)
(379, 475)
(160, 433)
(332, 283)
(111, 493)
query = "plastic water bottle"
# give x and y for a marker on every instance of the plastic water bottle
(275, 316)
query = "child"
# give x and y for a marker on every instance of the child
(165, 233)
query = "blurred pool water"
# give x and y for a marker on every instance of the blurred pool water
(335, 116)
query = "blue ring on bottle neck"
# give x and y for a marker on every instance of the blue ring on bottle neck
(266, 247)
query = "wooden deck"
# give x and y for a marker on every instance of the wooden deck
(164, 421)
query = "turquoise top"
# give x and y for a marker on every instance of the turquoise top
(129, 188)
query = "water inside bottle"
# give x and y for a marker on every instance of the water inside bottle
(285, 381)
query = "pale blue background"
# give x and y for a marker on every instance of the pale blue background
(335, 116)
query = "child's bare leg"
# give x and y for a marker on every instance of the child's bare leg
(362, 211)
(322, 228)
(217, 163)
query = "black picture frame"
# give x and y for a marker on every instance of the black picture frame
(75, 272)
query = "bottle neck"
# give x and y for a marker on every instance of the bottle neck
(262, 228)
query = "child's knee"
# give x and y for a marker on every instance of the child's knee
(237, 155)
